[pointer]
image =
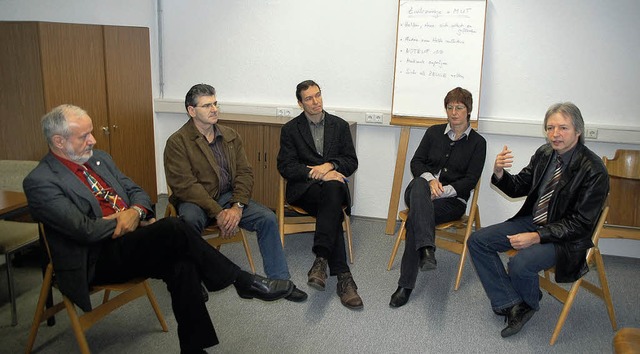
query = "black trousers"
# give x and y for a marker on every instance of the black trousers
(325, 201)
(170, 250)
(424, 215)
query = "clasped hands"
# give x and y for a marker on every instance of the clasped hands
(127, 221)
(325, 172)
(228, 220)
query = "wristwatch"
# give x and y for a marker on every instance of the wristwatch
(239, 205)
(141, 213)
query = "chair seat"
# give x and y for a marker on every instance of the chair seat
(15, 235)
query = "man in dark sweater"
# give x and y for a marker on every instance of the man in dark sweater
(446, 167)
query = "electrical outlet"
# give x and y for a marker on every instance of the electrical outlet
(375, 118)
(283, 112)
(591, 133)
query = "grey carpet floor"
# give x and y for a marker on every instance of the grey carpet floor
(437, 319)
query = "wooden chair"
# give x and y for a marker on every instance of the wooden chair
(627, 341)
(451, 236)
(15, 237)
(594, 258)
(624, 196)
(129, 291)
(211, 234)
(301, 221)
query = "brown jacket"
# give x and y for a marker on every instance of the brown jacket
(193, 173)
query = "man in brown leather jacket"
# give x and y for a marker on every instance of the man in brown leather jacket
(566, 186)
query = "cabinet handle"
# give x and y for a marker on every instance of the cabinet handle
(258, 156)
(265, 159)
(105, 130)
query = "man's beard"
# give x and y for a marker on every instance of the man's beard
(79, 159)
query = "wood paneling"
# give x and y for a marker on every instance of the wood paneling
(129, 100)
(106, 70)
(21, 93)
(73, 71)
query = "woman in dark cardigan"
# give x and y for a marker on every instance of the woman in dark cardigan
(446, 167)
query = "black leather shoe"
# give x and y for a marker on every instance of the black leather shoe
(400, 297)
(205, 293)
(266, 289)
(297, 295)
(505, 311)
(428, 259)
(517, 317)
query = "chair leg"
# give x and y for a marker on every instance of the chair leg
(247, 250)
(463, 257)
(76, 326)
(105, 296)
(12, 290)
(347, 228)
(45, 292)
(399, 238)
(154, 305)
(604, 284)
(565, 310)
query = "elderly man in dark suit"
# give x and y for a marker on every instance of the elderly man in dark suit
(316, 153)
(101, 229)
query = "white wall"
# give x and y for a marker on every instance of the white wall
(255, 52)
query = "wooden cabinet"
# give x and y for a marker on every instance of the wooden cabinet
(261, 141)
(106, 70)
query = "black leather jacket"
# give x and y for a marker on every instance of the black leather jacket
(574, 209)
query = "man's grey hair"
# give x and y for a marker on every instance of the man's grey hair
(55, 122)
(570, 110)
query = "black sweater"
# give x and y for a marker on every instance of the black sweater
(460, 163)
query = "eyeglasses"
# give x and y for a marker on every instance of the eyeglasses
(457, 108)
(209, 105)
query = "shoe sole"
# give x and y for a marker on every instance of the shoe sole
(506, 333)
(428, 266)
(353, 307)
(278, 297)
(316, 284)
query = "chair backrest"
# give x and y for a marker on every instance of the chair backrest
(12, 172)
(624, 195)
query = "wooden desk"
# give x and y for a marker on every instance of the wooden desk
(11, 202)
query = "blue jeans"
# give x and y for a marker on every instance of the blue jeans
(521, 283)
(255, 217)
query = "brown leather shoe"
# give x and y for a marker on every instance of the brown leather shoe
(348, 291)
(317, 274)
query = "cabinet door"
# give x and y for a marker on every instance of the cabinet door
(128, 82)
(72, 58)
(270, 173)
(21, 98)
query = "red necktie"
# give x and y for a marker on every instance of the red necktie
(114, 200)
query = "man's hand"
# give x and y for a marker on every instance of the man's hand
(436, 188)
(317, 172)
(334, 176)
(228, 220)
(503, 160)
(524, 240)
(147, 222)
(127, 221)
